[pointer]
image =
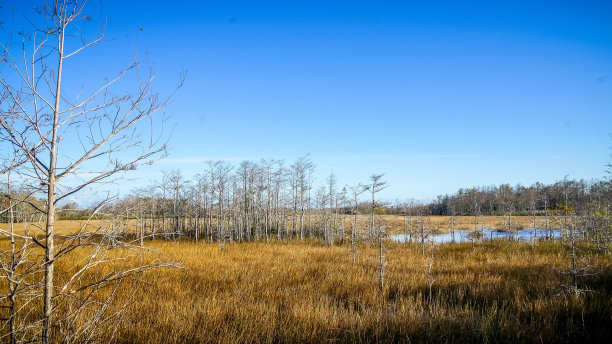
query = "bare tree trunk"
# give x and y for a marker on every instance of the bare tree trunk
(475, 230)
(410, 235)
(376, 186)
(50, 209)
(12, 285)
(453, 227)
(423, 235)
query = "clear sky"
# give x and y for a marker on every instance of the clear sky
(436, 95)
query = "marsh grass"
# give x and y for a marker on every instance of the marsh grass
(396, 223)
(304, 292)
(308, 292)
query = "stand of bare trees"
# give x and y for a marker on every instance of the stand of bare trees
(271, 199)
(247, 202)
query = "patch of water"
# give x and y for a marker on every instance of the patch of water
(461, 235)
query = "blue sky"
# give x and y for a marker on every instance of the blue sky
(436, 95)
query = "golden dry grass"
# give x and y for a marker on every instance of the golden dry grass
(306, 292)
(396, 223)
(443, 223)
(62, 227)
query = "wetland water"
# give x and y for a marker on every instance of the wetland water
(461, 235)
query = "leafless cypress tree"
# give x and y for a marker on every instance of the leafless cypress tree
(177, 185)
(279, 183)
(355, 192)
(295, 198)
(222, 173)
(507, 200)
(452, 208)
(211, 173)
(424, 230)
(475, 204)
(342, 204)
(412, 206)
(246, 174)
(266, 166)
(330, 225)
(532, 200)
(42, 119)
(153, 202)
(201, 193)
(376, 185)
(310, 168)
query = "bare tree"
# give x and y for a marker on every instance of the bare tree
(376, 227)
(425, 230)
(475, 202)
(177, 185)
(355, 192)
(330, 223)
(508, 202)
(42, 121)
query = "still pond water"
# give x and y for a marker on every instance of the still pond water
(487, 234)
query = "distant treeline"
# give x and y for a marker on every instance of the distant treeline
(270, 183)
(574, 195)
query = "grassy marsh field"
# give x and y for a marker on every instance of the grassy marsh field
(396, 223)
(308, 292)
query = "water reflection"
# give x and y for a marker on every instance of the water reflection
(485, 234)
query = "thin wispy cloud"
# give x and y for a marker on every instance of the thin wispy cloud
(440, 156)
(350, 157)
(199, 160)
(398, 156)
